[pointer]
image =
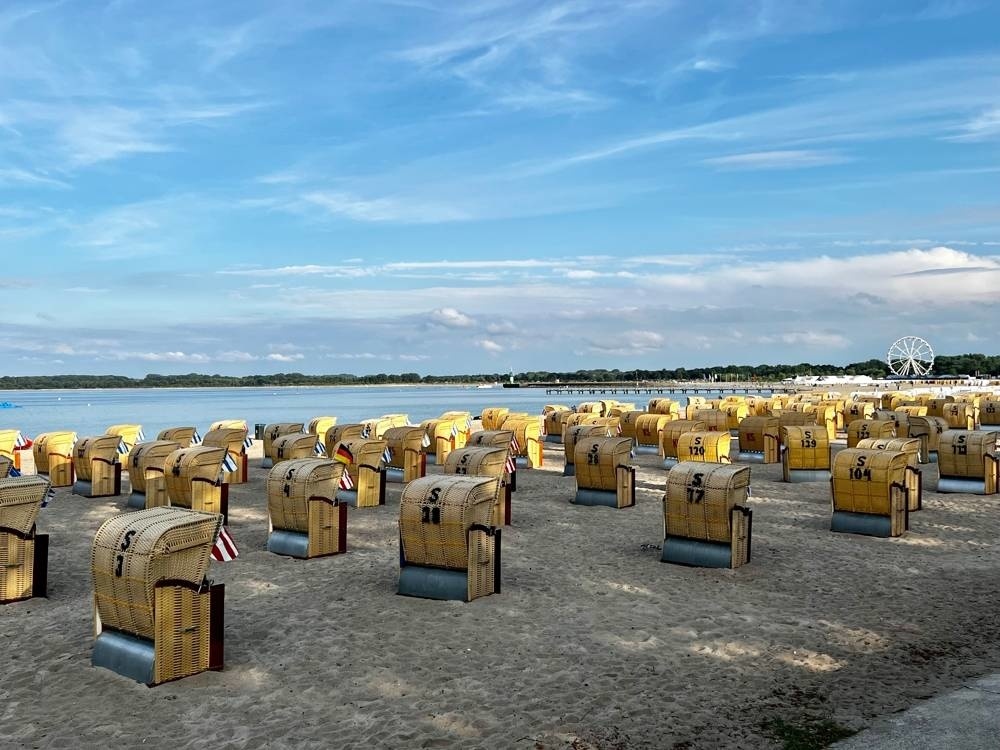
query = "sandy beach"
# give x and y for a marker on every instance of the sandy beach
(593, 643)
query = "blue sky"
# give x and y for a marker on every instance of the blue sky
(441, 187)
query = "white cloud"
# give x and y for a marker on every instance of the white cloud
(795, 159)
(450, 318)
(277, 357)
(401, 209)
(628, 343)
(490, 346)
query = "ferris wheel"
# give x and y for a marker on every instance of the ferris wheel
(910, 356)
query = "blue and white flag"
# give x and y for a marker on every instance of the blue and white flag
(228, 464)
(387, 455)
(426, 442)
(248, 442)
(196, 438)
(20, 441)
(454, 430)
(141, 436)
(14, 472)
(50, 494)
(122, 448)
(366, 431)
(319, 449)
(468, 424)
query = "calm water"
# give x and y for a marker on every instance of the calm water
(90, 412)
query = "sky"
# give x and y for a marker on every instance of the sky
(440, 187)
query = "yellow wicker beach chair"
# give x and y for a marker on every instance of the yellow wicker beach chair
(706, 521)
(485, 462)
(319, 425)
(574, 435)
(406, 445)
(914, 477)
(928, 431)
(862, 429)
(53, 454)
(233, 439)
(969, 461)
(147, 466)
(195, 479)
(672, 437)
(805, 453)
(98, 470)
(182, 435)
(306, 518)
(294, 446)
(448, 548)
(24, 553)
(157, 618)
(604, 475)
(129, 433)
(274, 431)
(366, 471)
(870, 494)
(528, 434)
(759, 440)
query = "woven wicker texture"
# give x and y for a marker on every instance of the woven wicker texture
(294, 445)
(735, 413)
(6, 464)
(182, 435)
(491, 439)
(20, 499)
(935, 406)
(129, 433)
(493, 416)
(579, 417)
(549, 408)
(274, 431)
(528, 433)
(861, 429)
(53, 453)
(435, 514)
(989, 411)
(928, 430)
(627, 421)
(760, 435)
(959, 416)
(407, 447)
(231, 438)
(805, 447)
(378, 426)
(869, 481)
(148, 456)
(17, 566)
(319, 425)
(291, 486)
(715, 419)
(182, 632)
(93, 456)
(712, 447)
(192, 476)
(8, 439)
(590, 407)
(854, 410)
(673, 431)
(229, 424)
(694, 403)
(555, 420)
(664, 406)
(134, 551)
(700, 497)
(340, 432)
(649, 430)
(365, 470)
(581, 432)
(482, 462)
(962, 453)
(911, 448)
(597, 460)
(901, 420)
(912, 410)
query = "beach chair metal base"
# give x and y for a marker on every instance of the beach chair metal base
(646, 450)
(128, 655)
(348, 497)
(432, 459)
(967, 485)
(569, 470)
(267, 462)
(670, 462)
(750, 457)
(867, 524)
(392, 474)
(433, 583)
(932, 457)
(552, 439)
(290, 543)
(808, 475)
(590, 497)
(85, 487)
(696, 552)
(136, 501)
(522, 462)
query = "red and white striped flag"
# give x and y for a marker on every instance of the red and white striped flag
(346, 483)
(511, 464)
(225, 548)
(515, 447)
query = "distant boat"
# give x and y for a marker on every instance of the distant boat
(485, 385)
(9, 405)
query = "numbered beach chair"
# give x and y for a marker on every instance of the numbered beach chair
(928, 431)
(366, 471)
(98, 471)
(492, 417)
(712, 447)
(53, 455)
(672, 438)
(196, 480)
(968, 461)
(989, 414)
(498, 439)
(318, 426)
(805, 454)
(296, 445)
(759, 440)
(706, 521)
(306, 518)
(870, 495)
(147, 466)
(234, 439)
(959, 415)
(862, 429)
(485, 462)
(715, 420)
(185, 436)
(157, 617)
(274, 431)
(603, 473)
(647, 433)
(24, 553)
(408, 462)
(443, 436)
(914, 477)
(574, 435)
(340, 432)
(448, 548)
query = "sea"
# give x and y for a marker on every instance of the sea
(92, 411)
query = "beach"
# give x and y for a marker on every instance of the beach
(592, 643)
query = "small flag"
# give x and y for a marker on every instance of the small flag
(454, 430)
(511, 465)
(122, 448)
(224, 549)
(515, 447)
(344, 455)
(468, 424)
(248, 442)
(345, 482)
(366, 431)
(387, 455)
(320, 450)
(196, 438)
(141, 436)
(619, 428)
(14, 472)
(631, 453)
(426, 442)
(49, 495)
(228, 464)
(20, 441)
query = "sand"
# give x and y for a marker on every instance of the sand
(593, 643)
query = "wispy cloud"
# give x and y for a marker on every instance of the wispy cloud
(795, 159)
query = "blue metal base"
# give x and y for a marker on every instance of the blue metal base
(552, 439)
(83, 488)
(569, 470)
(646, 450)
(867, 524)
(348, 497)
(522, 462)
(695, 552)
(136, 501)
(266, 463)
(808, 475)
(433, 583)
(392, 475)
(932, 458)
(989, 428)
(750, 457)
(967, 485)
(128, 655)
(291, 543)
(596, 497)
(432, 459)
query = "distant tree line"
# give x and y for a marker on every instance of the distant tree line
(963, 364)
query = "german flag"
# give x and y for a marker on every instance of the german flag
(344, 455)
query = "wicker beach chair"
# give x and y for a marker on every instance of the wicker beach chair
(870, 494)
(366, 471)
(147, 465)
(759, 440)
(604, 475)
(914, 477)
(24, 553)
(97, 465)
(306, 518)
(805, 453)
(969, 461)
(408, 462)
(233, 439)
(274, 431)
(195, 479)
(485, 462)
(53, 455)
